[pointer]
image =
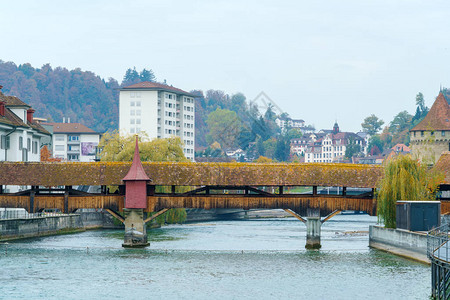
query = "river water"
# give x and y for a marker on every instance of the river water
(247, 259)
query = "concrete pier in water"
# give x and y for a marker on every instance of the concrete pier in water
(135, 229)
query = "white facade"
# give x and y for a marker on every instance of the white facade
(75, 146)
(160, 113)
(20, 136)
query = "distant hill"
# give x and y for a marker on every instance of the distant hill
(55, 93)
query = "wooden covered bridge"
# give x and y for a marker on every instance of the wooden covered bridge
(193, 185)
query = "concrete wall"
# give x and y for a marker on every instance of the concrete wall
(49, 225)
(402, 242)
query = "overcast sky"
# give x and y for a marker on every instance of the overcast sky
(320, 61)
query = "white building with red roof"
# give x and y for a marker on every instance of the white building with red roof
(331, 145)
(160, 110)
(74, 141)
(20, 134)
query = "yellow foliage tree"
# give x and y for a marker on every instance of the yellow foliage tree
(117, 147)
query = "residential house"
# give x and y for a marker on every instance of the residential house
(20, 135)
(74, 141)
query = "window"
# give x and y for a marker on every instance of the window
(73, 157)
(132, 112)
(4, 142)
(20, 143)
(138, 103)
(138, 112)
(29, 144)
(138, 121)
(132, 103)
(131, 130)
(138, 95)
(132, 95)
(138, 129)
(422, 133)
(443, 133)
(74, 138)
(35, 147)
(24, 155)
(132, 121)
(59, 137)
(59, 147)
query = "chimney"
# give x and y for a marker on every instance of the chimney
(2, 108)
(64, 119)
(30, 113)
(68, 120)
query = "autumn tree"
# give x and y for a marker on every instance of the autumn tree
(224, 127)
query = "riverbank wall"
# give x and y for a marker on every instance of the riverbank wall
(19, 228)
(409, 244)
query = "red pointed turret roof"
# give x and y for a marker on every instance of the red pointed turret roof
(438, 118)
(136, 171)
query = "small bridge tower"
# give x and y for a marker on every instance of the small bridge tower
(135, 203)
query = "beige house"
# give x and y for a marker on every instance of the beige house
(431, 137)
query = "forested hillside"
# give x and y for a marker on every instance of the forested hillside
(227, 121)
(55, 93)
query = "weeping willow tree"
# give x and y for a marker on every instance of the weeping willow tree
(404, 179)
(120, 147)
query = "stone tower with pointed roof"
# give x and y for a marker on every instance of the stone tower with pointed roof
(431, 137)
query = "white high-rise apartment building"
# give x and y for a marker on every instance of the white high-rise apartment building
(160, 110)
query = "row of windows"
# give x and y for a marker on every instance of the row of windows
(169, 96)
(422, 133)
(136, 112)
(188, 117)
(188, 100)
(135, 130)
(189, 143)
(169, 105)
(135, 94)
(30, 147)
(191, 151)
(188, 125)
(135, 121)
(336, 148)
(188, 108)
(187, 133)
(135, 103)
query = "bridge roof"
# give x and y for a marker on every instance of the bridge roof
(191, 174)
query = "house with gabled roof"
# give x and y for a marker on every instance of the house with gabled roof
(20, 134)
(431, 137)
(74, 141)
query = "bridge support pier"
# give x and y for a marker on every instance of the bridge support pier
(135, 229)
(313, 225)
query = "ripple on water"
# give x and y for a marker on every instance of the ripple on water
(263, 259)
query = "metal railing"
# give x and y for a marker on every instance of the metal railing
(439, 254)
(22, 214)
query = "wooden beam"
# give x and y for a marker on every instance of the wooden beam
(162, 211)
(295, 215)
(115, 215)
(331, 215)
